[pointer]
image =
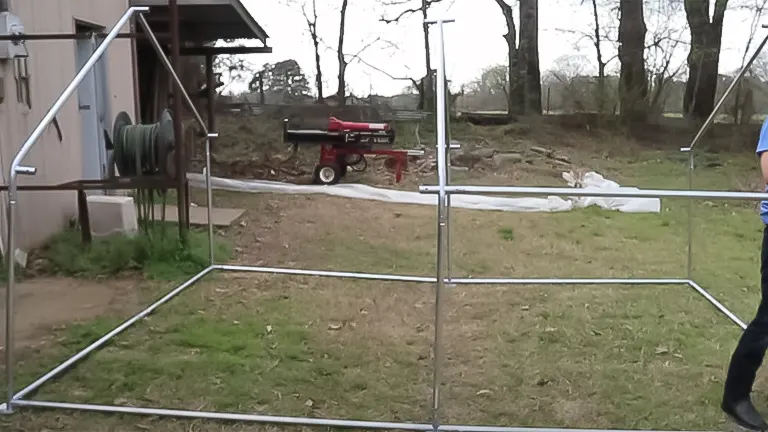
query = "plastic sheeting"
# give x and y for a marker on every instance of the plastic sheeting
(589, 180)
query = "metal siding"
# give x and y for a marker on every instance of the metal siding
(52, 66)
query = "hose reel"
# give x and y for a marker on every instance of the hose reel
(141, 149)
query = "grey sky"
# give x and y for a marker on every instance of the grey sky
(473, 42)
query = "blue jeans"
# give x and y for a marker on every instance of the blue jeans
(750, 351)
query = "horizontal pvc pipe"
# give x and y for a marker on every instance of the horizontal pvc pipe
(299, 421)
(457, 281)
(253, 418)
(104, 339)
(324, 273)
(457, 428)
(718, 305)
(596, 193)
(555, 281)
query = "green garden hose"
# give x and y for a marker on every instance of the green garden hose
(142, 149)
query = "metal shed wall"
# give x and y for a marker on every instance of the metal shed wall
(52, 64)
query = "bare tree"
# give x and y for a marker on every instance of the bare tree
(704, 56)
(601, 62)
(524, 74)
(664, 39)
(759, 69)
(528, 56)
(231, 69)
(633, 81)
(488, 91)
(426, 86)
(342, 86)
(345, 59)
(743, 107)
(602, 31)
(311, 19)
(570, 84)
(515, 95)
(492, 80)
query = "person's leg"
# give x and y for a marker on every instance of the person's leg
(748, 357)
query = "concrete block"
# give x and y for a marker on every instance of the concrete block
(112, 215)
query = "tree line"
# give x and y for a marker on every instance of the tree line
(644, 59)
(639, 84)
(646, 75)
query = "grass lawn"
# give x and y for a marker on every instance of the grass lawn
(563, 356)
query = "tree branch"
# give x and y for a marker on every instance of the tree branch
(360, 51)
(400, 16)
(389, 75)
(406, 12)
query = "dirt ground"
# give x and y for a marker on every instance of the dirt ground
(43, 304)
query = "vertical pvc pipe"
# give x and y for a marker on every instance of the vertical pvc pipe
(447, 150)
(690, 215)
(9, 296)
(210, 87)
(209, 194)
(442, 224)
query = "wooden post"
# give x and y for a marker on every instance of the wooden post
(135, 63)
(261, 89)
(210, 85)
(181, 165)
(84, 217)
(549, 98)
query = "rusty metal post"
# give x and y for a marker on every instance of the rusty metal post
(181, 160)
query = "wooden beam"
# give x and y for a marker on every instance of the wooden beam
(74, 36)
(205, 51)
(201, 51)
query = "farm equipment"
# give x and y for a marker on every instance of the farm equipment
(344, 145)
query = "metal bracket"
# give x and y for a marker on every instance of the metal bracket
(26, 170)
(213, 135)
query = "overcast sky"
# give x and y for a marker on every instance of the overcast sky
(473, 42)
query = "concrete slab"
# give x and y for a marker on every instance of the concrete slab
(198, 216)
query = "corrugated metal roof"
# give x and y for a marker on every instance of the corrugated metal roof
(206, 20)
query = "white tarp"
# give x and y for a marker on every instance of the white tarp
(590, 180)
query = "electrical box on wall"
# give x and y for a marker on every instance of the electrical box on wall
(11, 25)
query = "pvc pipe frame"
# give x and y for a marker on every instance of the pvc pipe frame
(441, 279)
